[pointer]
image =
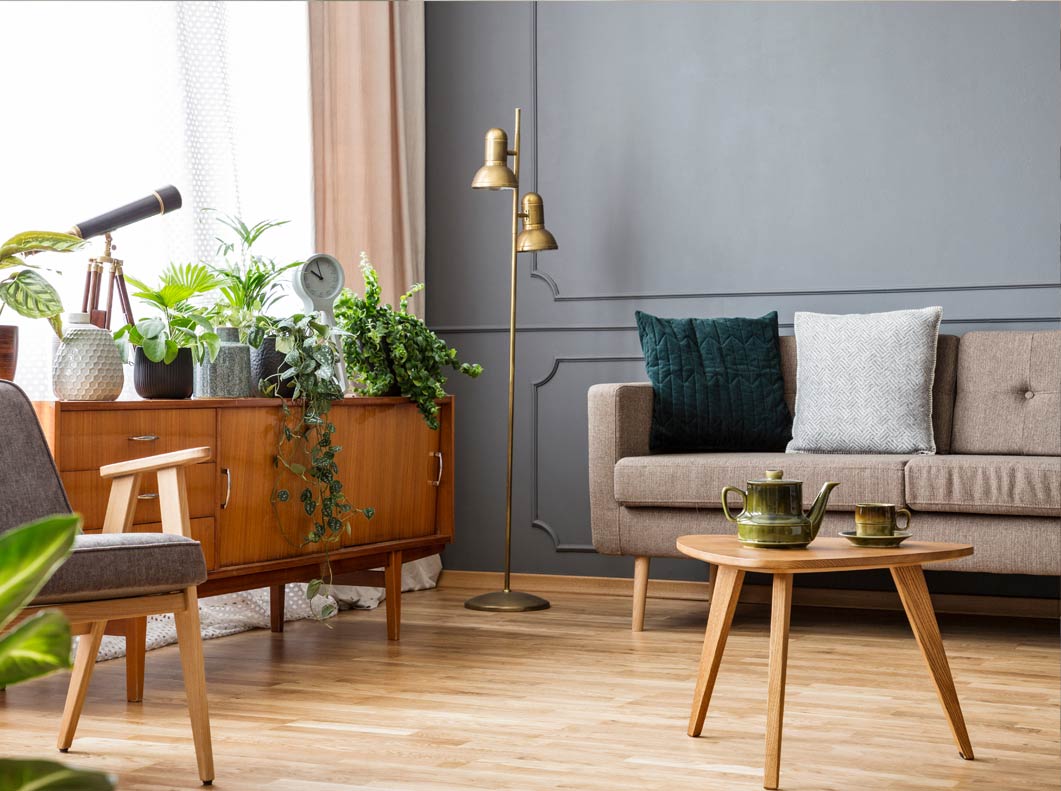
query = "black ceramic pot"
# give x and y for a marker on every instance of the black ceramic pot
(266, 361)
(158, 380)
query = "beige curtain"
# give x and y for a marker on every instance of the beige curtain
(367, 76)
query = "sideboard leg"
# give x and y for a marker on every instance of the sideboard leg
(135, 653)
(276, 607)
(393, 583)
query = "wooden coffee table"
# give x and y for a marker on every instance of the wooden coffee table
(825, 554)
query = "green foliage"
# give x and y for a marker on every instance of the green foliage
(249, 283)
(392, 351)
(182, 325)
(29, 555)
(26, 291)
(18, 775)
(305, 448)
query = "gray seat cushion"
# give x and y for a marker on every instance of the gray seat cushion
(1017, 485)
(695, 480)
(117, 565)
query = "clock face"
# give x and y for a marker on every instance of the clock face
(321, 278)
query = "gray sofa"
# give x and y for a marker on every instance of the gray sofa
(994, 483)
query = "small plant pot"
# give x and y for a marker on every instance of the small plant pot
(8, 351)
(158, 380)
(266, 361)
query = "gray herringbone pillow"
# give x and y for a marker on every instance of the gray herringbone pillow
(864, 382)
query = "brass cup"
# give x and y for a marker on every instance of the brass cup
(878, 519)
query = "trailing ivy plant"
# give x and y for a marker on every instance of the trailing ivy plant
(40, 645)
(305, 447)
(390, 351)
(25, 290)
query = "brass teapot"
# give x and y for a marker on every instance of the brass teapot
(773, 512)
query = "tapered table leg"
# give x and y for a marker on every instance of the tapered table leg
(910, 581)
(780, 613)
(725, 593)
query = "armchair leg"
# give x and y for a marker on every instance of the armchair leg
(190, 642)
(84, 664)
(135, 653)
(641, 564)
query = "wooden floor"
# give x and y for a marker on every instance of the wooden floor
(569, 698)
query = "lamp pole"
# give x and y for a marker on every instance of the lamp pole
(495, 174)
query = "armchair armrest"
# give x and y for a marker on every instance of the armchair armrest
(620, 420)
(172, 490)
(160, 461)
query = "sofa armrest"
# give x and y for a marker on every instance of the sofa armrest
(620, 420)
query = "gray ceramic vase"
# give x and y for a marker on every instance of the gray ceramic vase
(229, 375)
(266, 361)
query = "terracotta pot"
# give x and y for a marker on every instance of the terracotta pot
(8, 351)
(158, 380)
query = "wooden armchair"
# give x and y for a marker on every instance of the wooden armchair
(117, 574)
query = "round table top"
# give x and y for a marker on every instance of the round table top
(823, 554)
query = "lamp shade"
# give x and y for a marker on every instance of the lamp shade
(495, 173)
(534, 236)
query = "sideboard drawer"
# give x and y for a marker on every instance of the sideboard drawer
(90, 439)
(88, 495)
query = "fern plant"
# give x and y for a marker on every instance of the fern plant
(26, 291)
(390, 351)
(181, 324)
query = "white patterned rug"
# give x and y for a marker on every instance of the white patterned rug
(240, 612)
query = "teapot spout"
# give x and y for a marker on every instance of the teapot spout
(817, 510)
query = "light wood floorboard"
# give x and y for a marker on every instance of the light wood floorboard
(569, 698)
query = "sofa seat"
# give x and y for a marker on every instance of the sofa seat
(1011, 485)
(695, 480)
(120, 565)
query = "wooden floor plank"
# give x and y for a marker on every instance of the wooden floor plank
(569, 698)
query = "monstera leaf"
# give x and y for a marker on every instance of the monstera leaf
(50, 776)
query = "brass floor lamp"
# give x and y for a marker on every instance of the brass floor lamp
(495, 174)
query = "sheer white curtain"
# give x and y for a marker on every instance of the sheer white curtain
(106, 101)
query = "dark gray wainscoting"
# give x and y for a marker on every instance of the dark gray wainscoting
(719, 159)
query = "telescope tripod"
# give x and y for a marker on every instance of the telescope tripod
(116, 283)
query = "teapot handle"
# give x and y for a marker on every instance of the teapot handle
(725, 506)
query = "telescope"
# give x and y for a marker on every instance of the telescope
(161, 201)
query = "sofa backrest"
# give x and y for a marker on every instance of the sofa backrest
(1008, 398)
(942, 389)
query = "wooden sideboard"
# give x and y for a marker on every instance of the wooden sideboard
(390, 460)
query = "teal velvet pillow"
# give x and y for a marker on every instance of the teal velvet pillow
(717, 384)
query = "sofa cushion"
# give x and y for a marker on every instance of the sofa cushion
(1020, 485)
(717, 384)
(1008, 398)
(117, 565)
(679, 480)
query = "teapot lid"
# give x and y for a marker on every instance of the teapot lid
(774, 477)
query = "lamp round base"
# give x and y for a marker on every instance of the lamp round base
(507, 601)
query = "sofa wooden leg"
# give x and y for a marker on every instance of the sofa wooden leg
(84, 664)
(135, 654)
(641, 564)
(712, 575)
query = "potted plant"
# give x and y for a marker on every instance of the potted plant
(25, 291)
(389, 351)
(167, 345)
(40, 645)
(250, 285)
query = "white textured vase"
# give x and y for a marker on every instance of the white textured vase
(88, 365)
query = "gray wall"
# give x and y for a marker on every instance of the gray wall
(717, 160)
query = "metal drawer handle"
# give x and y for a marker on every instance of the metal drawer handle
(147, 496)
(438, 480)
(228, 486)
(145, 438)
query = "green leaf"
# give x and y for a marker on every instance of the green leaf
(9, 261)
(29, 555)
(17, 775)
(150, 328)
(313, 588)
(36, 647)
(39, 241)
(155, 348)
(171, 351)
(31, 295)
(328, 610)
